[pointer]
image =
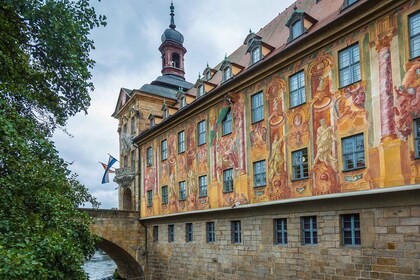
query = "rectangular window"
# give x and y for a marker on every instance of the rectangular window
(353, 152)
(309, 231)
(201, 128)
(236, 232)
(256, 54)
(202, 182)
(181, 142)
(414, 27)
(189, 232)
(155, 233)
(300, 164)
(349, 65)
(297, 89)
(417, 137)
(259, 174)
(182, 191)
(228, 180)
(149, 198)
(350, 226)
(350, 2)
(210, 232)
(257, 107)
(227, 73)
(164, 194)
(227, 123)
(133, 161)
(133, 125)
(164, 149)
(280, 226)
(149, 156)
(171, 233)
(200, 90)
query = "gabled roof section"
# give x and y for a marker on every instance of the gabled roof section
(123, 97)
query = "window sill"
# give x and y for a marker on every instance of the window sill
(183, 199)
(355, 82)
(300, 179)
(202, 144)
(354, 169)
(228, 191)
(261, 186)
(257, 122)
(165, 159)
(226, 134)
(202, 196)
(301, 104)
(181, 152)
(414, 58)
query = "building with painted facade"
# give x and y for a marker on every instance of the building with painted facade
(296, 157)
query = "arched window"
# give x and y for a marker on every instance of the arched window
(175, 60)
(127, 199)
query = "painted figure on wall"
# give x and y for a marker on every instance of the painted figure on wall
(324, 144)
(408, 99)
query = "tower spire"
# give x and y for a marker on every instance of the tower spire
(172, 25)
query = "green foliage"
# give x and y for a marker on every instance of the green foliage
(44, 80)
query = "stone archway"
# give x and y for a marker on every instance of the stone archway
(127, 266)
(127, 200)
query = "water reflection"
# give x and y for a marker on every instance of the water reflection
(100, 266)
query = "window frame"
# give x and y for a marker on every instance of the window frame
(354, 153)
(280, 234)
(236, 232)
(263, 174)
(165, 197)
(301, 165)
(353, 230)
(298, 22)
(210, 232)
(416, 129)
(200, 90)
(201, 132)
(254, 51)
(202, 187)
(149, 156)
(312, 230)
(155, 233)
(182, 191)
(351, 66)
(188, 232)
(171, 233)
(300, 89)
(227, 70)
(227, 123)
(164, 150)
(181, 142)
(149, 198)
(228, 182)
(411, 36)
(257, 107)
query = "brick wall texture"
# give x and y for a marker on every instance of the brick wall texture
(390, 244)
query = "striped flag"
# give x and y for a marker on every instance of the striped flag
(107, 167)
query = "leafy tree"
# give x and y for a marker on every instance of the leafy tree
(44, 80)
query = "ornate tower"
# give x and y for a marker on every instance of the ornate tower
(172, 50)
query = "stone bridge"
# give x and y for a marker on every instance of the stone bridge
(123, 238)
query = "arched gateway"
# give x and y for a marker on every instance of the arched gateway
(122, 237)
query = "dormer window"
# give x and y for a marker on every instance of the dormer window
(165, 113)
(297, 29)
(183, 102)
(208, 75)
(298, 23)
(200, 90)
(350, 2)
(256, 55)
(227, 73)
(152, 122)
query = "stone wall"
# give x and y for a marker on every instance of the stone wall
(390, 247)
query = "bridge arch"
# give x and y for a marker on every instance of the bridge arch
(122, 238)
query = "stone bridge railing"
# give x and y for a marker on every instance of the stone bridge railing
(122, 238)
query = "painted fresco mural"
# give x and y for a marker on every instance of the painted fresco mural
(376, 106)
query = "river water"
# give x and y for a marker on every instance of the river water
(100, 266)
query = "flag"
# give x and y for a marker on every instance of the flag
(111, 161)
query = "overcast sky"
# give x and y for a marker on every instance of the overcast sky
(127, 55)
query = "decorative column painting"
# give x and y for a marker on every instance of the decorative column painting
(277, 177)
(324, 170)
